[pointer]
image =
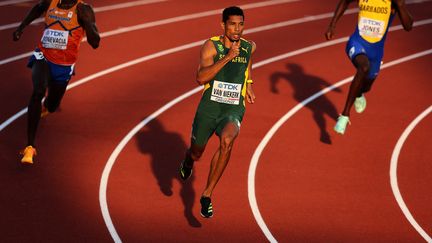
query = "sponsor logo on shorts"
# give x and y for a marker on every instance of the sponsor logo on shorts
(351, 52)
(38, 55)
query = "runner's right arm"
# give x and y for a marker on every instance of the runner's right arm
(34, 13)
(207, 68)
(250, 94)
(340, 10)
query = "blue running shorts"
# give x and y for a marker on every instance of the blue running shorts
(357, 45)
(59, 73)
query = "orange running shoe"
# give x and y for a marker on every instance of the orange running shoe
(44, 112)
(28, 154)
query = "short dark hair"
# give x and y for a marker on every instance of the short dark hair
(233, 10)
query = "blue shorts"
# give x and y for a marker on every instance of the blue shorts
(374, 51)
(59, 73)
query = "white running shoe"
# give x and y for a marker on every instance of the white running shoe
(360, 104)
(341, 124)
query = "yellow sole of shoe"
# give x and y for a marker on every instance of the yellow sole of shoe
(27, 160)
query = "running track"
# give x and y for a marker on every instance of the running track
(309, 184)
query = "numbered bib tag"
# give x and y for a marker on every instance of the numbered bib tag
(371, 27)
(55, 39)
(226, 93)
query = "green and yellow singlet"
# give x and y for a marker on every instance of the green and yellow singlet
(229, 85)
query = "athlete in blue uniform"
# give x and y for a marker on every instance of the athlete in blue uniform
(365, 47)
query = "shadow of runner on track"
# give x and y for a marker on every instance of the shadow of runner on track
(304, 86)
(167, 151)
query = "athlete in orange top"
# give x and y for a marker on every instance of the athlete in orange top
(52, 63)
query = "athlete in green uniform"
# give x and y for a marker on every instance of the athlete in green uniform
(225, 71)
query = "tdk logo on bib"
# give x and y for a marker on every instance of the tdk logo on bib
(55, 33)
(228, 86)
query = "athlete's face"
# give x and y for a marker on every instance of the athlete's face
(233, 27)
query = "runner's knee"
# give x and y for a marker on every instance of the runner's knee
(363, 65)
(55, 95)
(52, 105)
(195, 153)
(364, 69)
(227, 142)
(38, 94)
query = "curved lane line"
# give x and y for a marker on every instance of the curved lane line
(198, 15)
(125, 5)
(113, 157)
(197, 43)
(95, 9)
(181, 48)
(161, 22)
(393, 174)
(10, 2)
(280, 122)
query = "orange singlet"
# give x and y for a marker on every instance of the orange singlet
(62, 35)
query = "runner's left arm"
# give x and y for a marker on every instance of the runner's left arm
(404, 15)
(87, 20)
(250, 95)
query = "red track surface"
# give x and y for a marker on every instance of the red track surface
(307, 190)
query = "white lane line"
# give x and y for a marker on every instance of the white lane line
(15, 58)
(165, 21)
(280, 122)
(140, 2)
(162, 53)
(191, 16)
(126, 5)
(95, 9)
(10, 2)
(113, 157)
(177, 49)
(393, 174)
(184, 17)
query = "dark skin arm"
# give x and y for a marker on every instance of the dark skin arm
(87, 20)
(34, 13)
(404, 15)
(208, 68)
(340, 10)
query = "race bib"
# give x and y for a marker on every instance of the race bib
(371, 27)
(226, 93)
(55, 39)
